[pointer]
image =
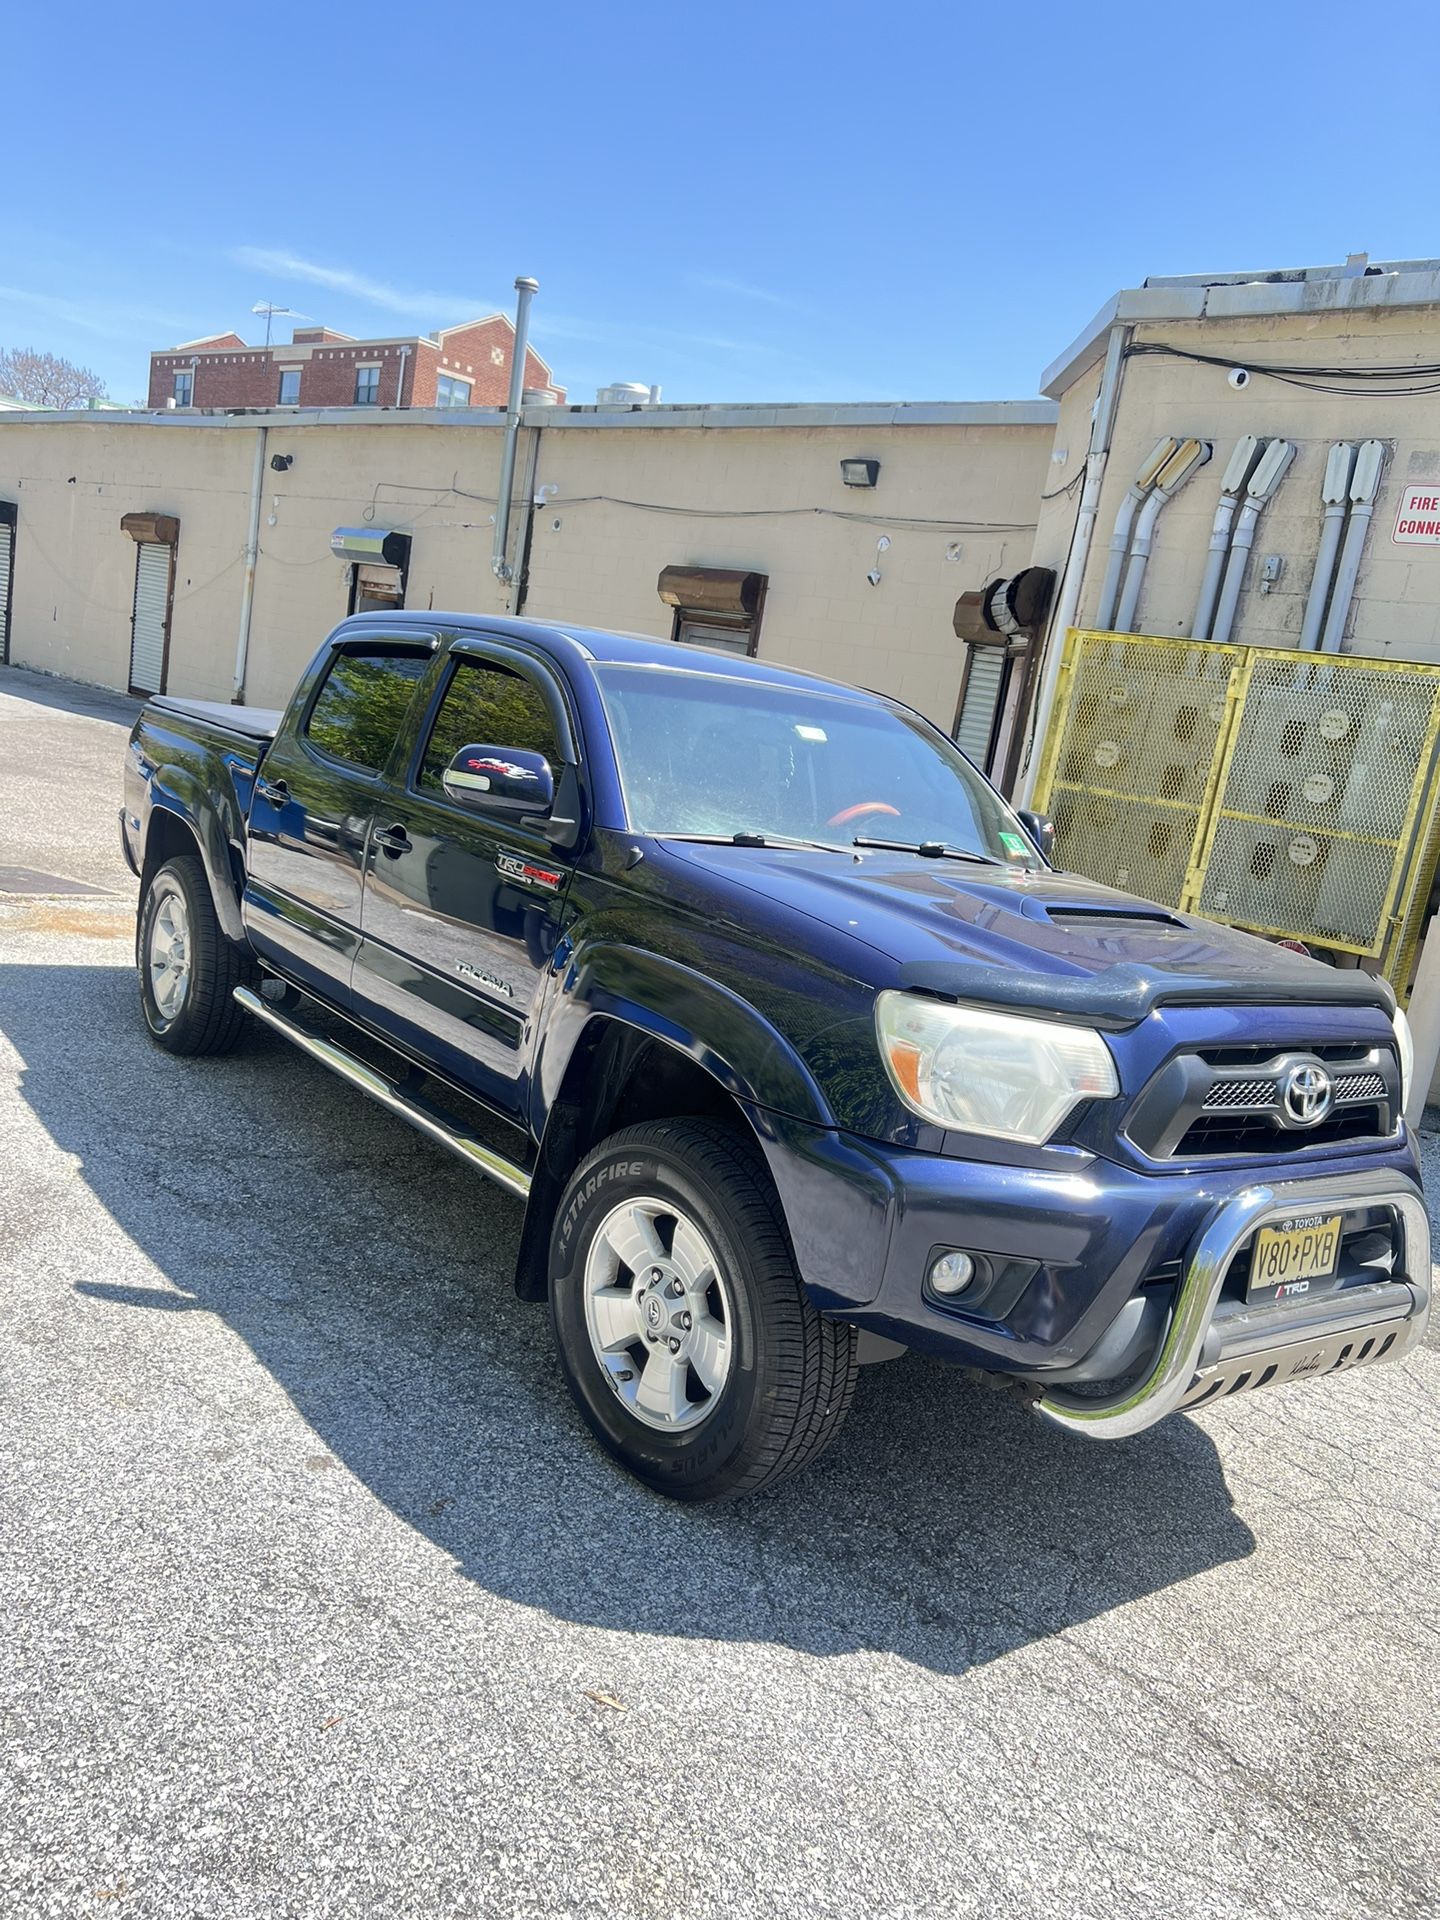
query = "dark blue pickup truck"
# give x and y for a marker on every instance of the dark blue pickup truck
(785, 1029)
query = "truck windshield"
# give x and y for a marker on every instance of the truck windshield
(712, 755)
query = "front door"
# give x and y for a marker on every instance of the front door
(462, 908)
(311, 810)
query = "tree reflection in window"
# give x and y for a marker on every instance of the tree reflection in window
(362, 706)
(486, 706)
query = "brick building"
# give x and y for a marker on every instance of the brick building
(465, 366)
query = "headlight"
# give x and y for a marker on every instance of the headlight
(987, 1072)
(1405, 1043)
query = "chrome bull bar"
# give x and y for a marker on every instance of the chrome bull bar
(1183, 1370)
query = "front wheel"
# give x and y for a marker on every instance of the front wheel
(188, 969)
(685, 1336)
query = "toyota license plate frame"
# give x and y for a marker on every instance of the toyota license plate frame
(1290, 1256)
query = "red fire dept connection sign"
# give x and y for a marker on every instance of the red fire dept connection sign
(1418, 522)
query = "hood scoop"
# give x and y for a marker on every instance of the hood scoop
(1085, 914)
(1101, 920)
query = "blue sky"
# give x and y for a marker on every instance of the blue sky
(747, 202)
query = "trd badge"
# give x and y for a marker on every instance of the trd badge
(514, 866)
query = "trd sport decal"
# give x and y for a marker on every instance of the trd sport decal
(515, 867)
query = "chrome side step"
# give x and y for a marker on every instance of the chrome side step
(412, 1107)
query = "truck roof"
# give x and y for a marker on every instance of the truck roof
(596, 645)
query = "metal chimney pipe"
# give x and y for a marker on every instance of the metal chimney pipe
(525, 289)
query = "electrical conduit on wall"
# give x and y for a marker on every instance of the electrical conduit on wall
(1233, 483)
(1335, 497)
(1187, 459)
(1364, 485)
(1273, 466)
(1136, 494)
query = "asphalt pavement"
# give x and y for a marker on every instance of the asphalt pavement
(316, 1600)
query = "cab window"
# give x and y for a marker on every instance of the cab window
(486, 705)
(362, 703)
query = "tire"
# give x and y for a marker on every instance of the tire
(188, 969)
(765, 1382)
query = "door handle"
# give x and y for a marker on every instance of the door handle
(275, 791)
(392, 840)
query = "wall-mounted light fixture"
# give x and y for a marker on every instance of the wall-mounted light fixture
(282, 462)
(859, 473)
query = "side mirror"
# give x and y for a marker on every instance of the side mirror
(507, 779)
(1041, 829)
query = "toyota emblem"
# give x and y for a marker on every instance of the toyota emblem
(1309, 1093)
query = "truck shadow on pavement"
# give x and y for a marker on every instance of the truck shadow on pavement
(369, 1274)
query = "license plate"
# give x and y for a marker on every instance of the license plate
(1290, 1255)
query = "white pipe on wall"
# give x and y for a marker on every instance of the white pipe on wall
(1273, 467)
(1187, 458)
(1364, 486)
(247, 583)
(1335, 495)
(1067, 600)
(1135, 497)
(1232, 485)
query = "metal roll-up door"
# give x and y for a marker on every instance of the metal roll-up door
(983, 686)
(7, 559)
(152, 609)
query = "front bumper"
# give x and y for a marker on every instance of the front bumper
(1206, 1355)
(1121, 1274)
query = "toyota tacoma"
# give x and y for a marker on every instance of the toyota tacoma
(795, 1045)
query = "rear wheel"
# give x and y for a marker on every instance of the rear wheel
(681, 1324)
(188, 969)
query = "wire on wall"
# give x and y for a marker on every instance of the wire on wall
(1399, 382)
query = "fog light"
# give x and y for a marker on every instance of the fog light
(952, 1272)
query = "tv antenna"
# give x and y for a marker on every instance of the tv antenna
(270, 309)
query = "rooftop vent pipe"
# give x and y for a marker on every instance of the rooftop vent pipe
(1187, 458)
(1273, 466)
(1232, 485)
(1364, 485)
(525, 291)
(1145, 477)
(1335, 497)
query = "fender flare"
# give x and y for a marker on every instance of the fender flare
(721, 1032)
(178, 793)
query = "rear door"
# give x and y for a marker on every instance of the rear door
(462, 908)
(314, 797)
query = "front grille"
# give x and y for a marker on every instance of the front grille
(1360, 1086)
(1232, 1100)
(1240, 1093)
(1222, 1133)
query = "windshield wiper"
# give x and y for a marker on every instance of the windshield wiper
(934, 850)
(745, 838)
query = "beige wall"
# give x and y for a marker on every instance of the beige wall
(1397, 601)
(74, 569)
(600, 564)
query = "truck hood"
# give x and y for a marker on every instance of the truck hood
(1055, 941)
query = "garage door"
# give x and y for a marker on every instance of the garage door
(983, 686)
(150, 626)
(7, 558)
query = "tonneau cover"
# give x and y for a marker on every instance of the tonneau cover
(255, 723)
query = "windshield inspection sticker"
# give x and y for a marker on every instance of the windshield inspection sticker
(1014, 845)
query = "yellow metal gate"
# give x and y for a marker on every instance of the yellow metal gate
(1291, 793)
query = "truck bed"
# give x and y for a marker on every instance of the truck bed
(254, 723)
